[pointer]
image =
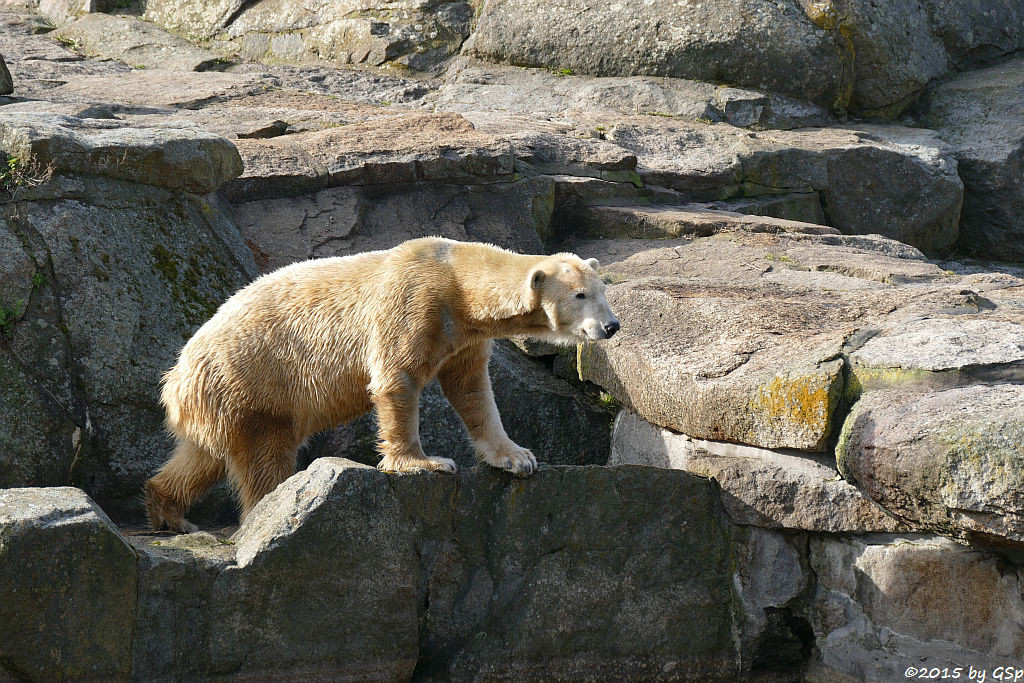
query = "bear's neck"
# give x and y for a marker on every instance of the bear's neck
(496, 295)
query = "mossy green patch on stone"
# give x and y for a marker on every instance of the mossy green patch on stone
(861, 378)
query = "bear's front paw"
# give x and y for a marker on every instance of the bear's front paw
(391, 463)
(512, 458)
(446, 465)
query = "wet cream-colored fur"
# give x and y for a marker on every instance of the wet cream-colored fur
(317, 343)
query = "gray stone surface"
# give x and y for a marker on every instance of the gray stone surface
(884, 603)
(890, 180)
(420, 36)
(950, 462)
(937, 353)
(69, 584)
(38, 63)
(478, 86)
(343, 220)
(765, 45)
(176, 159)
(345, 571)
(6, 83)
(899, 46)
(738, 336)
(978, 114)
(660, 221)
(415, 147)
(134, 42)
(773, 583)
(760, 488)
(115, 277)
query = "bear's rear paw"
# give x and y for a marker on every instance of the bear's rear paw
(512, 458)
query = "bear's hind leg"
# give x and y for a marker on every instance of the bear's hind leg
(266, 458)
(182, 479)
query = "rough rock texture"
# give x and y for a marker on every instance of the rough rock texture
(884, 603)
(937, 353)
(420, 35)
(177, 159)
(911, 192)
(377, 183)
(557, 421)
(136, 43)
(6, 83)
(737, 336)
(769, 489)
(346, 571)
(951, 461)
(871, 58)
(766, 45)
(478, 86)
(108, 279)
(899, 46)
(69, 584)
(431, 147)
(978, 114)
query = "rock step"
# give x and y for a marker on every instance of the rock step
(950, 462)
(660, 221)
(746, 336)
(760, 487)
(135, 42)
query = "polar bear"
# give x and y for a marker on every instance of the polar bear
(317, 343)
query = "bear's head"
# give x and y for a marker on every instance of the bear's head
(571, 294)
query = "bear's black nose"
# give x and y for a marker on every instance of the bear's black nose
(611, 328)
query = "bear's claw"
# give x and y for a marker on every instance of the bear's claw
(515, 459)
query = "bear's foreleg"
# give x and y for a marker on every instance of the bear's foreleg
(182, 479)
(397, 400)
(467, 386)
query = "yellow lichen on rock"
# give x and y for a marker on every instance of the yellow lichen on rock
(801, 404)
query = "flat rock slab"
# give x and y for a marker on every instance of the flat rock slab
(730, 338)
(69, 584)
(950, 461)
(160, 88)
(176, 159)
(940, 352)
(38, 63)
(411, 148)
(654, 221)
(478, 86)
(135, 42)
(762, 488)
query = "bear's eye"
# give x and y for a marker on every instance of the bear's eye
(581, 295)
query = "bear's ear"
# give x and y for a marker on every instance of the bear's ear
(537, 277)
(592, 262)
